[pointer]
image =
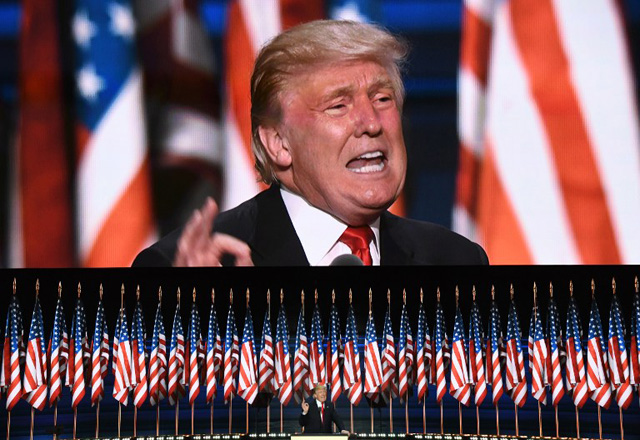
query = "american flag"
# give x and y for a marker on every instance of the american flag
(459, 387)
(231, 356)
(35, 384)
(494, 353)
(139, 380)
(476, 355)
(634, 347)
(282, 359)
(351, 372)
(116, 343)
(372, 363)
(404, 370)
(192, 368)
(516, 383)
(158, 360)
(539, 357)
(100, 356)
(317, 367)
(266, 369)
(617, 351)
(83, 342)
(214, 355)
(58, 344)
(597, 367)
(423, 355)
(12, 352)
(576, 378)
(114, 203)
(75, 370)
(301, 362)
(555, 353)
(578, 212)
(123, 381)
(175, 380)
(247, 377)
(389, 380)
(334, 344)
(441, 353)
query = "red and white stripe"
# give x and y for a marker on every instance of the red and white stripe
(214, 361)
(140, 391)
(530, 69)
(78, 388)
(352, 374)
(317, 367)
(459, 386)
(35, 386)
(99, 361)
(247, 376)
(11, 371)
(372, 369)
(158, 372)
(389, 381)
(193, 376)
(539, 371)
(557, 386)
(421, 373)
(300, 371)
(477, 373)
(516, 383)
(283, 375)
(619, 373)
(55, 377)
(266, 370)
(494, 372)
(441, 380)
(576, 378)
(176, 378)
(597, 370)
(123, 373)
(230, 371)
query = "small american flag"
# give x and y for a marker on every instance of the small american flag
(334, 344)
(597, 367)
(266, 369)
(248, 380)
(231, 356)
(316, 350)
(539, 357)
(35, 385)
(389, 380)
(282, 359)
(618, 362)
(403, 356)
(301, 362)
(372, 363)
(214, 357)
(423, 355)
(123, 373)
(352, 373)
(441, 353)
(494, 353)
(57, 361)
(477, 374)
(555, 353)
(138, 355)
(576, 378)
(175, 380)
(634, 347)
(76, 376)
(158, 360)
(516, 381)
(192, 370)
(100, 356)
(12, 352)
(459, 387)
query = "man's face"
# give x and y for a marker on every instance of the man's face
(341, 128)
(321, 394)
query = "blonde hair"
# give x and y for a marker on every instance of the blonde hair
(307, 45)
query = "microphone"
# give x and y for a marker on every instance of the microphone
(347, 260)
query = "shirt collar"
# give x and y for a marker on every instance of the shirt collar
(308, 220)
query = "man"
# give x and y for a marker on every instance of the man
(318, 414)
(327, 136)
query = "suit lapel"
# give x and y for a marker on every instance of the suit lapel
(275, 242)
(391, 251)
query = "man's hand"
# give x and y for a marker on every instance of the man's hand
(305, 408)
(345, 432)
(198, 247)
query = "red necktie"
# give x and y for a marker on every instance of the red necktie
(322, 413)
(358, 239)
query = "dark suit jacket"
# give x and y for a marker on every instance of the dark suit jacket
(264, 224)
(312, 421)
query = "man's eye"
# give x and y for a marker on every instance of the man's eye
(336, 107)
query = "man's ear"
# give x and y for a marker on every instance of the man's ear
(274, 144)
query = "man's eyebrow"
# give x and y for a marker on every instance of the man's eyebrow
(338, 92)
(382, 82)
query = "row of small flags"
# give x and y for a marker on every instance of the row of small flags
(598, 369)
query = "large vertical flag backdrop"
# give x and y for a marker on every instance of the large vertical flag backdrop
(548, 124)
(114, 214)
(250, 24)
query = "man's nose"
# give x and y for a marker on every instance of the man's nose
(367, 119)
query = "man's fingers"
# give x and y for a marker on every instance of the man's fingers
(222, 244)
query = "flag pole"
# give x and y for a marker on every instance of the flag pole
(460, 416)
(98, 420)
(621, 425)
(177, 412)
(577, 423)
(497, 421)
(557, 423)
(477, 420)
(599, 422)
(424, 415)
(540, 418)
(230, 413)
(31, 430)
(351, 409)
(281, 420)
(192, 419)
(517, 426)
(55, 421)
(441, 418)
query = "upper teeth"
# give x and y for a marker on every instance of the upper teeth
(371, 155)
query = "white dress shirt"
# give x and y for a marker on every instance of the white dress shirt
(319, 231)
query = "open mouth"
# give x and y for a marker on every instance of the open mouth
(371, 162)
